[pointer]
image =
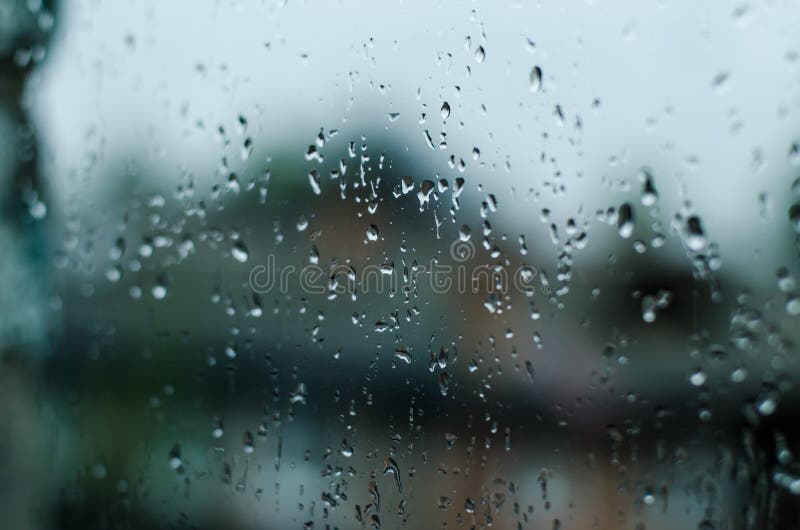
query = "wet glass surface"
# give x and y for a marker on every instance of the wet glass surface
(281, 264)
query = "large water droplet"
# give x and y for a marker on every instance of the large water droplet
(649, 192)
(239, 252)
(313, 181)
(625, 220)
(695, 235)
(372, 233)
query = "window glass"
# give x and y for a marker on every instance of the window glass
(308, 264)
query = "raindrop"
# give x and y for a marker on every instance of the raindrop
(445, 110)
(372, 233)
(719, 80)
(480, 54)
(625, 220)
(790, 482)
(390, 468)
(794, 153)
(403, 355)
(698, 378)
(767, 405)
(313, 181)
(793, 305)
(649, 192)
(247, 443)
(786, 281)
(239, 252)
(424, 192)
(738, 375)
(444, 383)
(174, 458)
(217, 429)
(695, 236)
(536, 79)
(794, 216)
(159, 290)
(469, 505)
(406, 184)
(246, 149)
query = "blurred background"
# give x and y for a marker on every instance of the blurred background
(638, 161)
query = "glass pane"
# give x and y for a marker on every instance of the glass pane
(296, 264)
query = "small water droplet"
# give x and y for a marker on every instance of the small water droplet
(694, 235)
(217, 429)
(625, 221)
(786, 281)
(159, 290)
(480, 54)
(649, 192)
(536, 79)
(794, 217)
(372, 233)
(718, 81)
(698, 378)
(239, 252)
(793, 305)
(174, 458)
(738, 375)
(313, 181)
(767, 405)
